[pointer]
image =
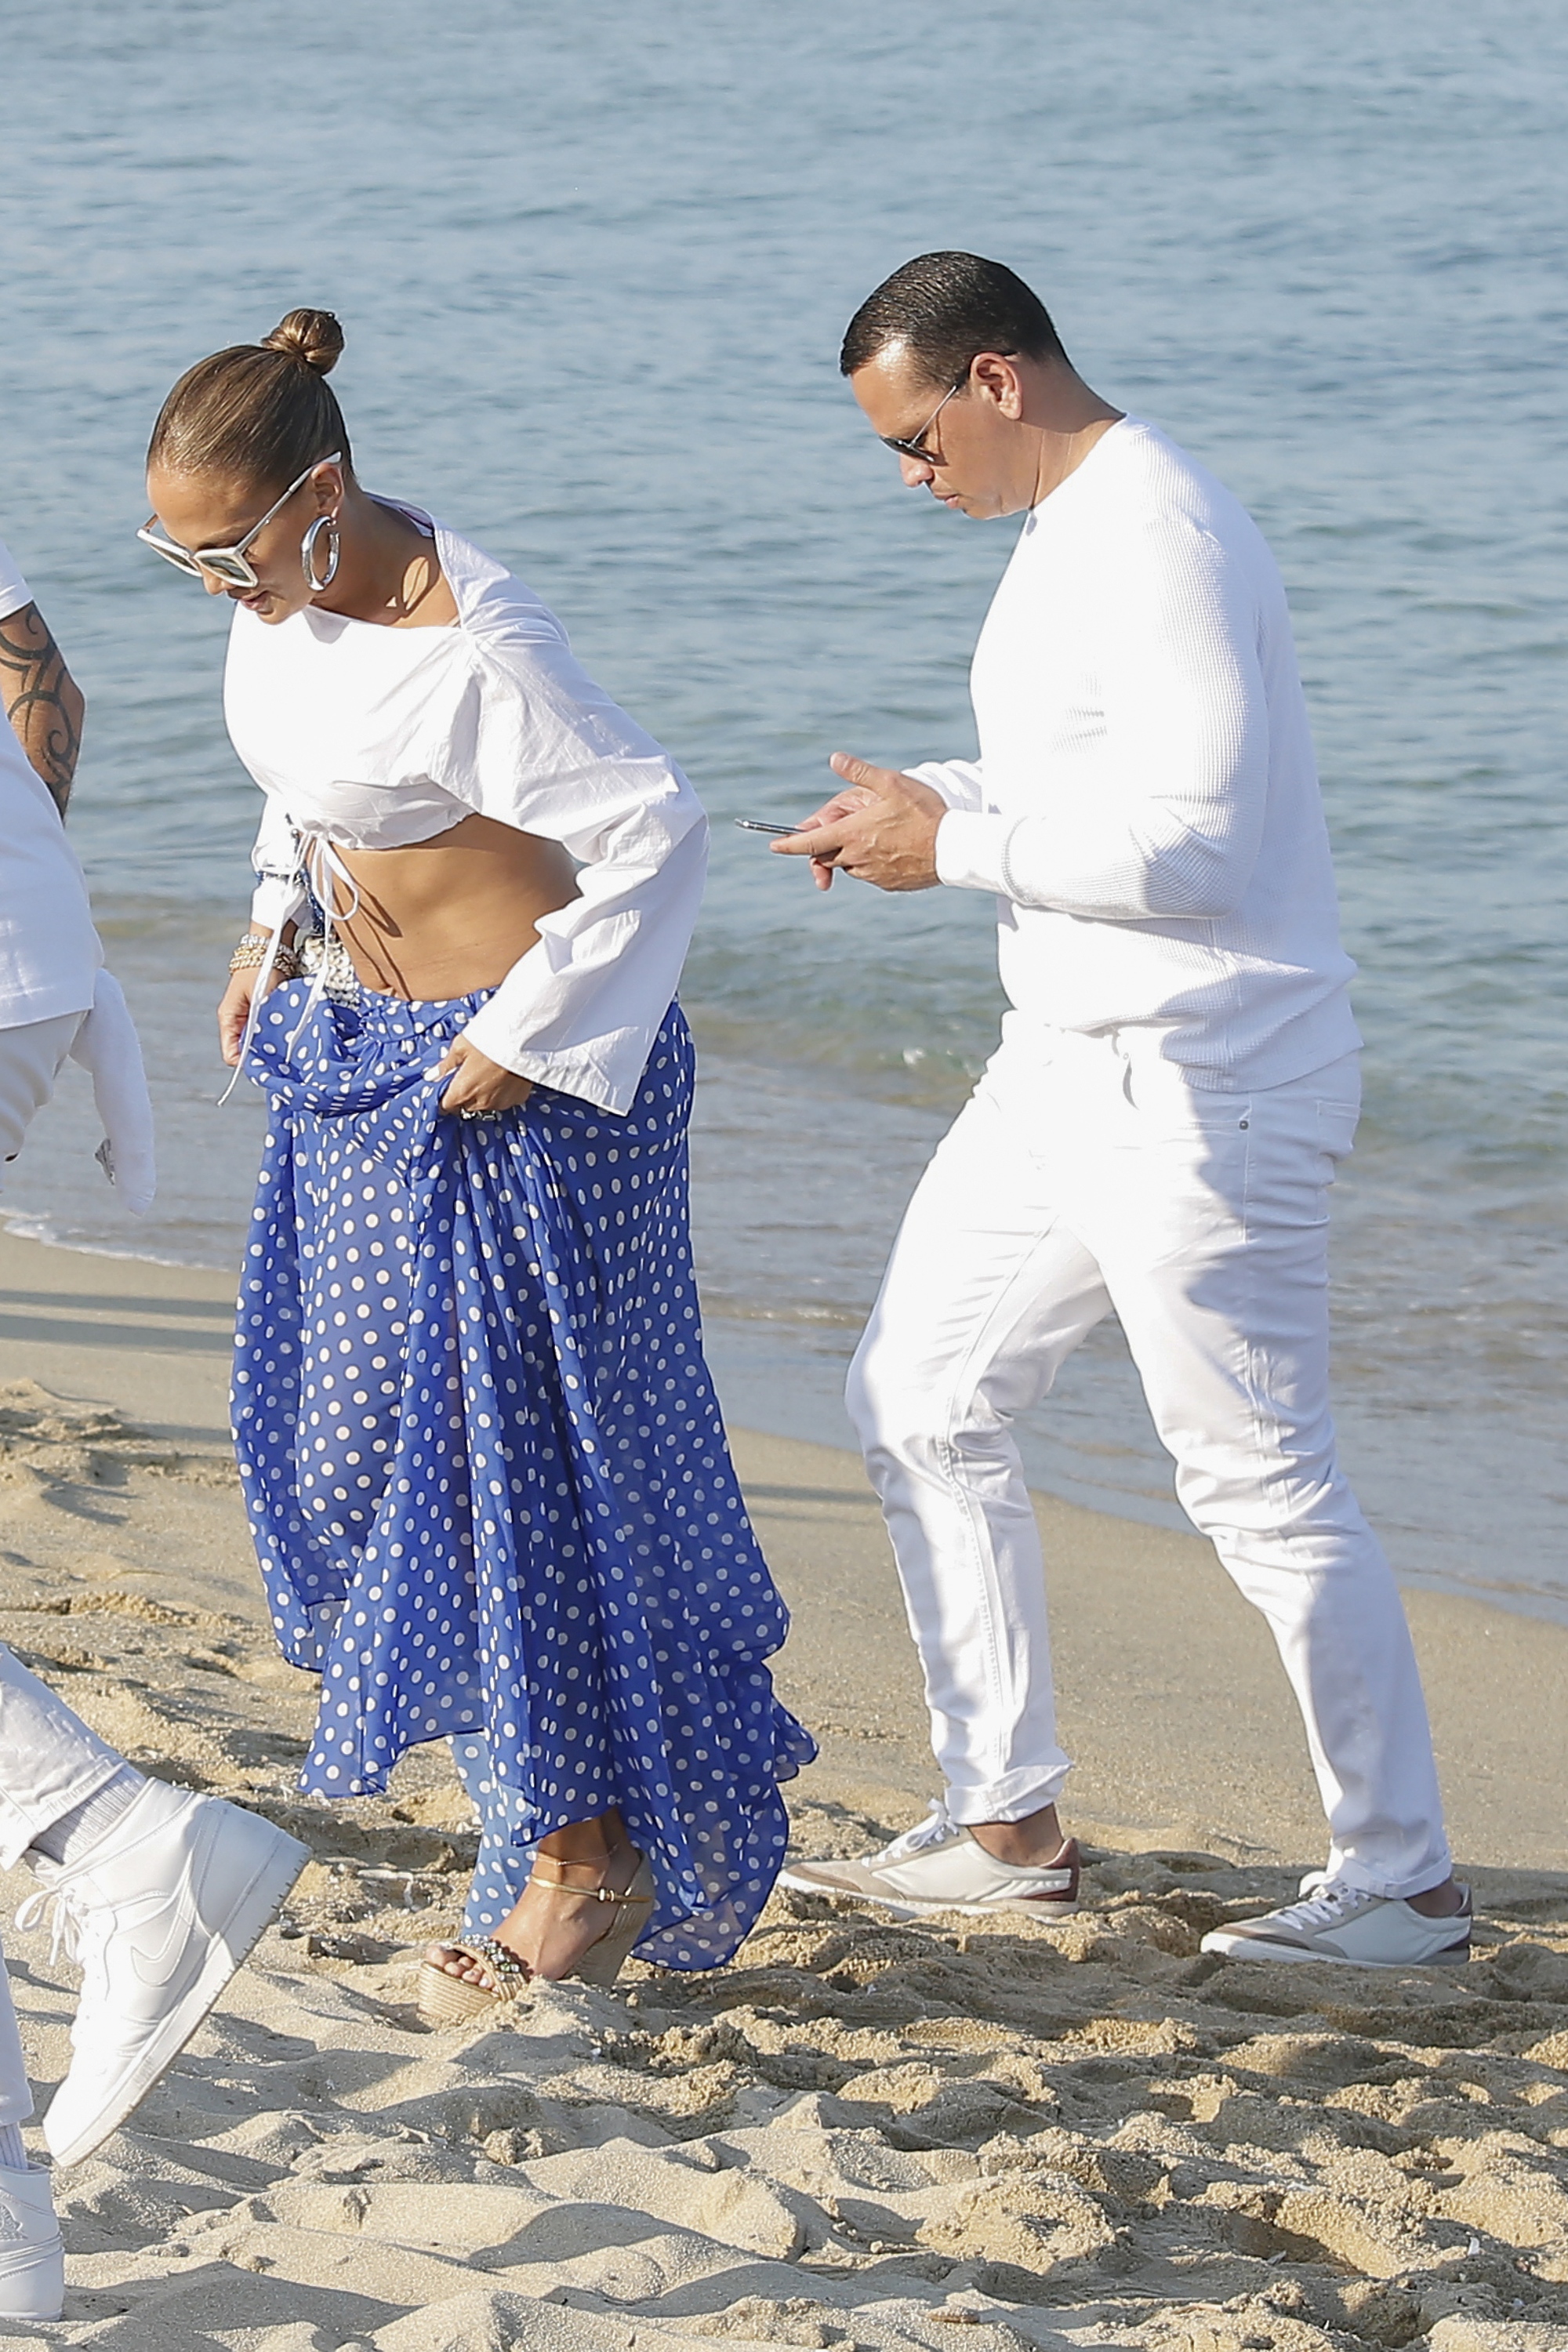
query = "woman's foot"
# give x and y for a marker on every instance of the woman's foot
(472, 1964)
(566, 1909)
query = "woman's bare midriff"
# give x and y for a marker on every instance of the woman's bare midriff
(452, 915)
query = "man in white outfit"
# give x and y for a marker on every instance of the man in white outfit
(1178, 1078)
(159, 1894)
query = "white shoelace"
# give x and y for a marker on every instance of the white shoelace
(66, 1922)
(1332, 1902)
(937, 1829)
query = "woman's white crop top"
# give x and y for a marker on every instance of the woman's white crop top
(365, 737)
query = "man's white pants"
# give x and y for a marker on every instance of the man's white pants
(1079, 1179)
(50, 1761)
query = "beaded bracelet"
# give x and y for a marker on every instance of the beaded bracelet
(252, 951)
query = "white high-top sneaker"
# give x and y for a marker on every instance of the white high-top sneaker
(159, 1913)
(939, 1867)
(32, 2259)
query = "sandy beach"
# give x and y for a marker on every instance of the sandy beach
(863, 2132)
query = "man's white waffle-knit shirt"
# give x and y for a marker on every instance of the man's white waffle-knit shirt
(1145, 805)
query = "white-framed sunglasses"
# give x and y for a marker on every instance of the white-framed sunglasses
(229, 565)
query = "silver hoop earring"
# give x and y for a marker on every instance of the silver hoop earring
(328, 523)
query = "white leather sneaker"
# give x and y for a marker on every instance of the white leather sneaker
(32, 2259)
(1348, 1928)
(939, 1867)
(160, 1914)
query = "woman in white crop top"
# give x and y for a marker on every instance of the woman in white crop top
(484, 1465)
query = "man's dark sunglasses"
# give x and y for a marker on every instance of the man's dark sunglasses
(916, 448)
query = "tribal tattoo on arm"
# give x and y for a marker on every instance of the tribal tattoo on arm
(42, 702)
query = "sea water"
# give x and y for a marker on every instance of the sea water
(594, 263)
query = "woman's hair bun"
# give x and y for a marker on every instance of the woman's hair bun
(313, 337)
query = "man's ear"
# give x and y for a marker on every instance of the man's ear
(995, 378)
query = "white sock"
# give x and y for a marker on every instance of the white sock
(13, 2155)
(75, 1832)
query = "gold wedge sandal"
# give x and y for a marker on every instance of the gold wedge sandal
(446, 1999)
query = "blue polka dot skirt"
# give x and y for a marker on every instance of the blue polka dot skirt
(485, 1468)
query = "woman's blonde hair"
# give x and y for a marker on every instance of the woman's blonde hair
(258, 413)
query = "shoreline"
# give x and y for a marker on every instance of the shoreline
(799, 1401)
(1444, 1450)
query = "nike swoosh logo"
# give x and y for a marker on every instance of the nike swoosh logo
(155, 1967)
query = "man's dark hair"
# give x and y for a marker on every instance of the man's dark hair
(945, 309)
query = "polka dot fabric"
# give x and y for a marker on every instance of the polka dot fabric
(483, 1460)
(500, 1868)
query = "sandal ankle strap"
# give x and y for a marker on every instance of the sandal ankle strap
(588, 1894)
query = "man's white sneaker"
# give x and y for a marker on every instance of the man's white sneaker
(32, 2259)
(1349, 1928)
(160, 1914)
(939, 1866)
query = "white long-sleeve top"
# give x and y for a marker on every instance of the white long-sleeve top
(364, 736)
(1145, 805)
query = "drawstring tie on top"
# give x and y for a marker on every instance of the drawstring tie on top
(322, 869)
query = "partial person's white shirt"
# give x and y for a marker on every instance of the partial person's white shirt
(1145, 805)
(51, 960)
(373, 737)
(49, 952)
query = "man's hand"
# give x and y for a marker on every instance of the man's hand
(882, 830)
(42, 701)
(480, 1084)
